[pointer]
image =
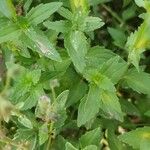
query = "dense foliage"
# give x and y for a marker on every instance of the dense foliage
(74, 75)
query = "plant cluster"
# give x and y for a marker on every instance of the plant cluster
(74, 75)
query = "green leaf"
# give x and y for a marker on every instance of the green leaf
(109, 103)
(43, 134)
(89, 106)
(23, 84)
(24, 134)
(7, 9)
(138, 42)
(118, 36)
(65, 13)
(113, 141)
(97, 55)
(59, 143)
(140, 3)
(145, 144)
(114, 69)
(59, 26)
(19, 90)
(9, 32)
(143, 105)
(59, 106)
(25, 121)
(69, 146)
(42, 12)
(49, 75)
(76, 45)
(59, 117)
(33, 98)
(77, 92)
(129, 13)
(4, 21)
(134, 58)
(138, 139)
(35, 74)
(27, 5)
(138, 81)
(61, 99)
(90, 147)
(92, 137)
(93, 23)
(129, 108)
(39, 42)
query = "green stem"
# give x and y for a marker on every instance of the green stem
(50, 138)
(119, 19)
(49, 143)
(51, 124)
(113, 14)
(53, 94)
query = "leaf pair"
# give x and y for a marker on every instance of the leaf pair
(96, 99)
(102, 92)
(30, 37)
(75, 40)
